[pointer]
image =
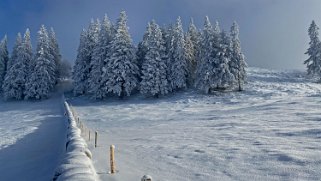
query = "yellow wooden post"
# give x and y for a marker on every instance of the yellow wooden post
(112, 159)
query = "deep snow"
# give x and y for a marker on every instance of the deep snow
(32, 139)
(271, 131)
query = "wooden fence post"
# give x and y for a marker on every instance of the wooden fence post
(89, 135)
(96, 135)
(112, 159)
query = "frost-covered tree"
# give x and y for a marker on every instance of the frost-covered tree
(16, 77)
(154, 76)
(192, 40)
(28, 53)
(167, 32)
(80, 71)
(142, 47)
(314, 52)
(4, 57)
(178, 65)
(96, 84)
(55, 52)
(237, 63)
(43, 76)
(212, 71)
(65, 69)
(15, 51)
(39, 84)
(83, 64)
(122, 69)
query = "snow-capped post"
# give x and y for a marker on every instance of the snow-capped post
(112, 159)
(146, 178)
(96, 135)
(89, 135)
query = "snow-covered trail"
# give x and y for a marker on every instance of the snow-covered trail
(32, 139)
(271, 131)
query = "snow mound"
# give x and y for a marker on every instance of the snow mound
(76, 164)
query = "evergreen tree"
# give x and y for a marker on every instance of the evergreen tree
(97, 86)
(4, 57)
(80, 72)
(154, 76)
(167, 33)
(39, 83)
(15, 51)
(213, 71)
(142, 47)
(122, 69)
(28, 54)
(43, 76)
(192, 50)
(178, 67)
(15, 78)
(55, 52)
(237, 63)
(314, 61)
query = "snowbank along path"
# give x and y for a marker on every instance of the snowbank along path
(76, 164)
(271, 131)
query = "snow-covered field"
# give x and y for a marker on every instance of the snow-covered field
(32, 136)
(271, 131)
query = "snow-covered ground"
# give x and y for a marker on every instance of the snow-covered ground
(271, 131)
(32, 137)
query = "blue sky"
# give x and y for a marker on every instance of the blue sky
(273, 32)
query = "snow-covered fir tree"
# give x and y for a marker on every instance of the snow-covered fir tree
(154, 75)
(55, 52)
(167, 32)
(14, 53)
(237, 63)
(4, 58)
(39, 84)
(99, 60)
(80, 71)
(178, 65)
(142, 47)
(28, 53)
(192, 40)
(122, 69)
(212, 71)
(314, 52)
(16, 77)
(43, 75)
(83, 64)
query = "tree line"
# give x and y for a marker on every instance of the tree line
(166, 60)
(28, 74)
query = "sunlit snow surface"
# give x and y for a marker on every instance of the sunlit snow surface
(271, 131)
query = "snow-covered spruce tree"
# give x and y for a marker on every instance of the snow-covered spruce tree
(122, 69)
(83, 65)
(237, 62)
(28, 53)
(178, 65)
(80, 73)
(167, 32)
(39, 84)
(14, 53)
(314, 52)
(4, 57)
(212, 71)
(43, 76)
(142, 47)
(96, 84)
(154, 76)
(16, 78)
(192, 40)
(55, 52)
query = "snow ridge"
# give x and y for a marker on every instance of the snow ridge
(76, 164)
